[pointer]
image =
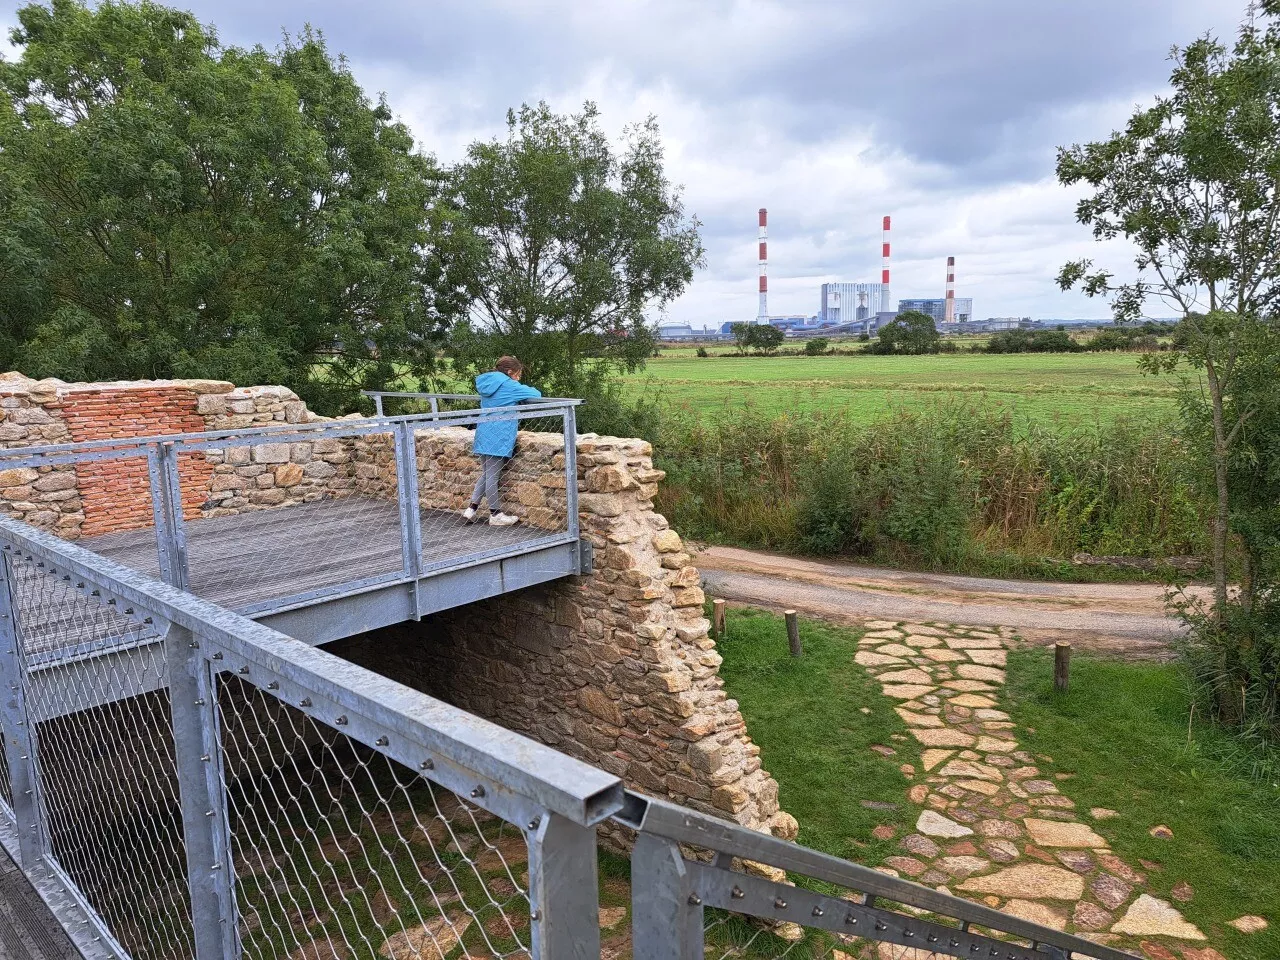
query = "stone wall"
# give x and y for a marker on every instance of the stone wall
(615, 668)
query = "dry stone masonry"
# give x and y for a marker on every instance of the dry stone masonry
(616, 668)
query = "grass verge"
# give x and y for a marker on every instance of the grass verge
(1123, 730)
(815, 718)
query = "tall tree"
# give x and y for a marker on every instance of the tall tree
(572, 241)
(910, 332)
(173, 207)
(1191, 182)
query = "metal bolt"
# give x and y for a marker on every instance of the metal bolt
(908, 934)
(780, 903)
(933, 938)
(381, 742)
(427, 765)
(206, 758)
(881, 926)
(535, 823)
(244, 671)
(737, 893)
(695, 900)
(200, 702)
(273, 685)
(128, 610)
(851, 920)
(341, 721)
(817, 911)
(304, 702)
(208, 813)
(953, 943)
(217, 656)
(478, 791)
(535, 915)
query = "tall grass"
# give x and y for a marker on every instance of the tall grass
(951, 484)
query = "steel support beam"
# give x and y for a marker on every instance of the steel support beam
(206, 834)
(666, 912)
(20, 744)
(564, 895)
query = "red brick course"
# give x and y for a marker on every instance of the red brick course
(117, 493)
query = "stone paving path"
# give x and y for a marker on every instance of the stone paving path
(996, 829)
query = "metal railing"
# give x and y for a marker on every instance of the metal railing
(265, 519)
(267, 799)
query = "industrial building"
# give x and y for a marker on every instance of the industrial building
(937, 308)
(841, 303)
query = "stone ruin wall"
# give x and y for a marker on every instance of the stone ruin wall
(616, 668)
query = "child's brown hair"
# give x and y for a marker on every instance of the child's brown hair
(508, 365)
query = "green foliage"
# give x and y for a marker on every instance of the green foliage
(1123, 730)
(912, 332)
(566, 242)
(816, 347)
(761, 337)
(1032, 341)
(702, 352)
(172, 207)
(950, 484)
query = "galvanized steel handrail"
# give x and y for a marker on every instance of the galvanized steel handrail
(665, 821)
(435, 398)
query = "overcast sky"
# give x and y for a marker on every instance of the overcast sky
(943, 114)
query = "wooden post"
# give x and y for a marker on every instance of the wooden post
(793, 632)
(717, 619)
(1061, 666)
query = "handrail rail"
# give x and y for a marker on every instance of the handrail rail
(659, 818)
(564, 785)
(277, 432)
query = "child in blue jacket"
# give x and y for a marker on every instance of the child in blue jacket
(495, 440)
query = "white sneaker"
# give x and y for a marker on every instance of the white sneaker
(502, 520)
(469, 514)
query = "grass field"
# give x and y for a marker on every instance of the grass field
(1049, 388)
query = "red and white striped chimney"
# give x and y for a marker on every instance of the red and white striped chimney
(762, 315)
(950, 315)
(884, 269)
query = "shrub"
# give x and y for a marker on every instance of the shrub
(702, 352)
(816, 347)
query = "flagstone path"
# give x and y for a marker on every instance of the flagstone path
(996, 829)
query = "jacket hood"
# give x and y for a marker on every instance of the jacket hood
(487, 384)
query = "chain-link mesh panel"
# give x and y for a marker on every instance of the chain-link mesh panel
(518, 499)
(6, 782)
(283, 519)
(340, 852)
(95, 681)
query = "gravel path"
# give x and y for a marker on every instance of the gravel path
(1125, 620)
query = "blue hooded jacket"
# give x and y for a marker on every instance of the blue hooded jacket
(497, 438)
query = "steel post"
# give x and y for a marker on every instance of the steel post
(407, 495)
(571, 467)
(377, 404)
(205, 830)
(666, 912)
(564, 896)
(166, 510)
(19, 732)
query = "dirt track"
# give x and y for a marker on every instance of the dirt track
(1126, 620)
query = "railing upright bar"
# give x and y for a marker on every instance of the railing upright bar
(177, 523)
(377, 404)
(564, 894)
(406, 449)
(19, 740)
(666, 912)
(166, 512)
(571, 468)
(206, 833)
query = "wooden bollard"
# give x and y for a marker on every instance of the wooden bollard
(1061, 666)
(717, 619)
(793, 632)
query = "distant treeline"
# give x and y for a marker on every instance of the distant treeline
(1144, 338)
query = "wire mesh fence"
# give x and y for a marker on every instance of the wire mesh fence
(103, 744)
(341, 852)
